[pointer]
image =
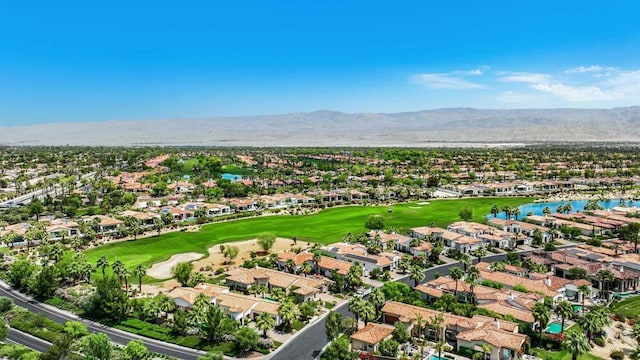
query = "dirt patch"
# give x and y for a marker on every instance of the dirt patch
(216, 258)
(162, 270)
(619, 337)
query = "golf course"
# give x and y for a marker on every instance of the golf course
(325, 227)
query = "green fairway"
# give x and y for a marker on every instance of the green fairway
(629, 307)
(326, 227)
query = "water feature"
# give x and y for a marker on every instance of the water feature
(232, 177)
(577, 205)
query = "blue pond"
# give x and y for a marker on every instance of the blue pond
(577, 205)
(231, 177)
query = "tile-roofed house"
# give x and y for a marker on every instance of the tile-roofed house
(504, 344)
(326, 265)
(243, 279)
(368, 338)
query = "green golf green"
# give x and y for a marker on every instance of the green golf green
(326, 227)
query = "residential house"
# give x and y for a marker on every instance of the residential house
(304, 288)
(369, 337)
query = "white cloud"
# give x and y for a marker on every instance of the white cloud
(445, 81)
(589, 69)
(524, 77)
(574, 93)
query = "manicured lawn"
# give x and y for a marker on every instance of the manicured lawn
(629, 307)
(326, 227)
(561, 355)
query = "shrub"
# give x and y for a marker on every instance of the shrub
(6, 304)
(617, 355)
(599, 341)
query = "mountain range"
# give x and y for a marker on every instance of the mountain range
(440, 127)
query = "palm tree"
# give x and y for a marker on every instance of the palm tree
(480, 253)
(265, 322)
(495, 210)
(541, 314)
(564, 310)
(117, 268)
(507, 211)
(567, 208)
(604, 276)
(516, 212)
(486, 349)
(439, 347)
(456, 274)
(316, 259)
(290, 265)
(590, 323)
(473, 275)
(546, 211)
(405, 263)
(585, 290)
(417, 275)
(288, 312)
(465, 260)
(139, 272)
(126, 274)
(377, 299)
(576, 343)
(306, 268)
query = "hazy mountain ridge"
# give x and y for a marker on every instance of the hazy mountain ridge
(330, 128)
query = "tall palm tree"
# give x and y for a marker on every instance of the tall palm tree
(507, 211)
(377, 299)
(456, 274)
(126, 274)
(290, 265)
(564, 310)
(591, 324)
(480, 253)
(466, 261)
(473, 275)
(417, 275)
(576, 343)
(355, 306)
(495, 210)
(265, 322)
(585, 290)
(542, 315)
(140, 272)
(117, 268)
(439, 347)
(603, 277)
(516, 212)
(546, 211)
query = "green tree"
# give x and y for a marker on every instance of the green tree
(374, 222)
(388, 347)
(576, 343)
(20, 273)
(4, 329)
(231, 252)
(45, 283)
(247, 339)
(472, 278)
(75, 329)
(266, 241)
(135, 350)
(36, 208)
(400, 333)
(466, 213)
(182, 272)
(495, 210)
(97, 346)
(333, 325)
(216, 323)
(265, 322)
(340, 349)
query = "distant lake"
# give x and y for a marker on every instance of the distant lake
(577, 205)
(231, 177)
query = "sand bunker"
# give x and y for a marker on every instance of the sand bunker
(423, 203)
(162, 270)
(216, 258)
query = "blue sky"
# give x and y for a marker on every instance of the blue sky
(117, 60)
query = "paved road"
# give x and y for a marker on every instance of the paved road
(117, 336)
(309, 343)
(40, 193)
(32, 342)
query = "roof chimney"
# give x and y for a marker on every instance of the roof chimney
(547, 281)
(496, 323)
(621, 268)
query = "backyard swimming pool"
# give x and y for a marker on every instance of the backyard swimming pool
(554, 328)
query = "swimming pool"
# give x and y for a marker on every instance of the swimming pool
(232, 177)
(435, 357)
(554, 328)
